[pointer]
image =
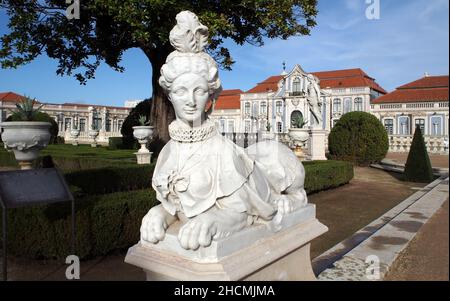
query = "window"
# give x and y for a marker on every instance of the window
(297, 87)
(421, 123)
(436, 125)
(347, 105)
(255, 110)
(263, 108)
(82, 125)
(247, 108)
(389, 126)
(231, 126)
(279, 107)
(222, 125)
(247, 126)
(279, 127)
(98, 123)
(358, 104)
(337, 105)
(67, 124)
(3, 115)
(108, 125)
(403, 122)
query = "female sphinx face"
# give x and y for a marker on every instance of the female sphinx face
(189, 95)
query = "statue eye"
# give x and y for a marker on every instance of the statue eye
(200, 91)
(179, 92)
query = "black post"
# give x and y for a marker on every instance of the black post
(73, 228)
(257, 137)
(245, 140)
(4, 243)
(234, 137)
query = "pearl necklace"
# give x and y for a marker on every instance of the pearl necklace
(182, 133)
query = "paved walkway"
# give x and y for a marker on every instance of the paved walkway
(427, 255)
(440, 161)
(383, 247)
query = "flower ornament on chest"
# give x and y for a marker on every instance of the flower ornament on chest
(171, 183)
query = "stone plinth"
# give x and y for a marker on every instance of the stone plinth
(256, 253)
(143, 157)
(317, 144)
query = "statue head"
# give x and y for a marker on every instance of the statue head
(190, 76)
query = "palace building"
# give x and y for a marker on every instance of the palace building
(108, 120)
(275, 105)
(422, 103)
(277, 102)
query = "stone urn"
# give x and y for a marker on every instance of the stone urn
(74, 133)
(143, 134)
(299, 136)
(93, 134)
(25, 139)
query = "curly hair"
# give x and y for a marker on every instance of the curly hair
(200, 63)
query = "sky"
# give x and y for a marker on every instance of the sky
(410, 37)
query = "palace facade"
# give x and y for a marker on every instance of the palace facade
(276, 103)
(108, 120)
(423, 103)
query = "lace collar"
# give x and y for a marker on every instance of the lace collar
(181, 133)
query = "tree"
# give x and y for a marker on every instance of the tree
(418, 166)
(107, 28)
(358, 137)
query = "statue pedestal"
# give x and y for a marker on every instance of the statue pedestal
(317, 144)
(256, 253)
(143, 157)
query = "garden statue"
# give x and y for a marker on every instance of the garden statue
(202, 179)
(313, 98)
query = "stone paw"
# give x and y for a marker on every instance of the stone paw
(153, 228)
(197, 232)
(285, 205)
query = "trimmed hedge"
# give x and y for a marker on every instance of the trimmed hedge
(418, 165)
(112, 221)
(7, 158)
(103, 223)
(115, 143)
(358, 137)
(112, 179)
(323, 175)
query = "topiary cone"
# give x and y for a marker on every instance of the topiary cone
(418, 165)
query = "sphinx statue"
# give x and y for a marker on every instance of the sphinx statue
(211, 186)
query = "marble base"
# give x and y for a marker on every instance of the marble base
(256, 253)
(143, 158)
(317, 144)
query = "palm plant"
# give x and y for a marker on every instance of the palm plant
(143, 120)
(25, 109)
(299, 122)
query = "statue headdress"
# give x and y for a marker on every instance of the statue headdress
(189, 38)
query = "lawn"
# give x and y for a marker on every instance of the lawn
(69, 157)
(86, 151)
